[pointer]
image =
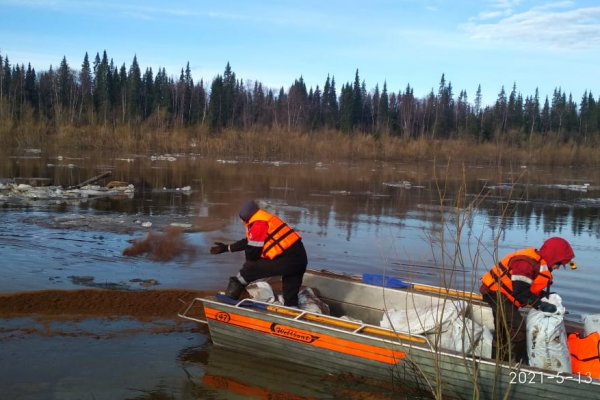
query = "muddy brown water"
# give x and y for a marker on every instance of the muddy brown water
(90, 297)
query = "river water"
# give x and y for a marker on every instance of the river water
(429, 223)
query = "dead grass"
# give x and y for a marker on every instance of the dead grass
(282, 145)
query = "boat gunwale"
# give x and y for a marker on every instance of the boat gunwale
(425, 345)
(439, 292)
(393, 334)
(461, 357)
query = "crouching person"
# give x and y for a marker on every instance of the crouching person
(272, 248)
(520, 280)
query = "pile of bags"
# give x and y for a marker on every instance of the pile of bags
(447, 328)
(445, 325)
(549, 347)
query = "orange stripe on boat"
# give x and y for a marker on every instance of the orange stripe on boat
(327, 342)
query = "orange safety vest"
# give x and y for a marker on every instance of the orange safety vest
(280, 236)
(585, 354)
(499, 277)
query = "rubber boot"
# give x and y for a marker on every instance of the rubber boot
(234, 288)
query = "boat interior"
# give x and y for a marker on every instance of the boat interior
(348, 296)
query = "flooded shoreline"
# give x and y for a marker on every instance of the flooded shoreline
(97, 303)
(110, 344)
(87, 283)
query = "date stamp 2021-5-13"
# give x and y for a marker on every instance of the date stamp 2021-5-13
(530, 377)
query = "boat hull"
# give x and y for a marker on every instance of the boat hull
(338, 346)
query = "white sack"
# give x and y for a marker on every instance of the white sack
(261, 291)
(591, 324)
(423, 319)
(483, 348)
(547, 338)
(308, 301)
(463, 336)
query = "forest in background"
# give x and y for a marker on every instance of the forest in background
(101, 105)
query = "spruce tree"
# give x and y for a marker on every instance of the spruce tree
(330, 104)
(347, 108)
(147, 93)
(101, 100)
(227, 97)
(356, 103)
(134, 90)
(545, 121)
(215, 107)
(86, 88)
(383, 110)
(31, 90)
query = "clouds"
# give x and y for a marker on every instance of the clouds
(554, 25)
(488, 42)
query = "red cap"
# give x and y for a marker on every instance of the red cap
(556, 251)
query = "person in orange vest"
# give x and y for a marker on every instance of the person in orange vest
(272, 248)
(521, 279)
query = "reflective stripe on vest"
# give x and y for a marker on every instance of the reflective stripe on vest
(280, 236)
(500, 277)
(585, 354)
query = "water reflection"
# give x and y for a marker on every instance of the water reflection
(404, 217)
(220, 373)
(353, 193)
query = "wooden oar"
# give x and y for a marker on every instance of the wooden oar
(326, 320)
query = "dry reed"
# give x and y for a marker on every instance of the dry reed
(282, 145)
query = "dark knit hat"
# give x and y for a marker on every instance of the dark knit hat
(248, 209)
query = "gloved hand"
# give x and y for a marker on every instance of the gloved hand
(547, 307)
(219, 248)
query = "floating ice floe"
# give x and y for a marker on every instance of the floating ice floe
(185, 190)
(165, 157)
(574, 187)
(401, 184)
(589, 201)
(98, 191)
(275, 163)
(181, 225)
(23, 191)
(68, 166)
(501, 186)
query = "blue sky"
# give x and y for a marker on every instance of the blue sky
(495, 43)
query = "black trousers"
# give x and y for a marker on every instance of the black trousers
(511, 330)
(291, 266)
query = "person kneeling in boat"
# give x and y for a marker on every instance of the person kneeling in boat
(272, 249)
(520, 280)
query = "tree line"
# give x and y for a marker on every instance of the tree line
(101, 94)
